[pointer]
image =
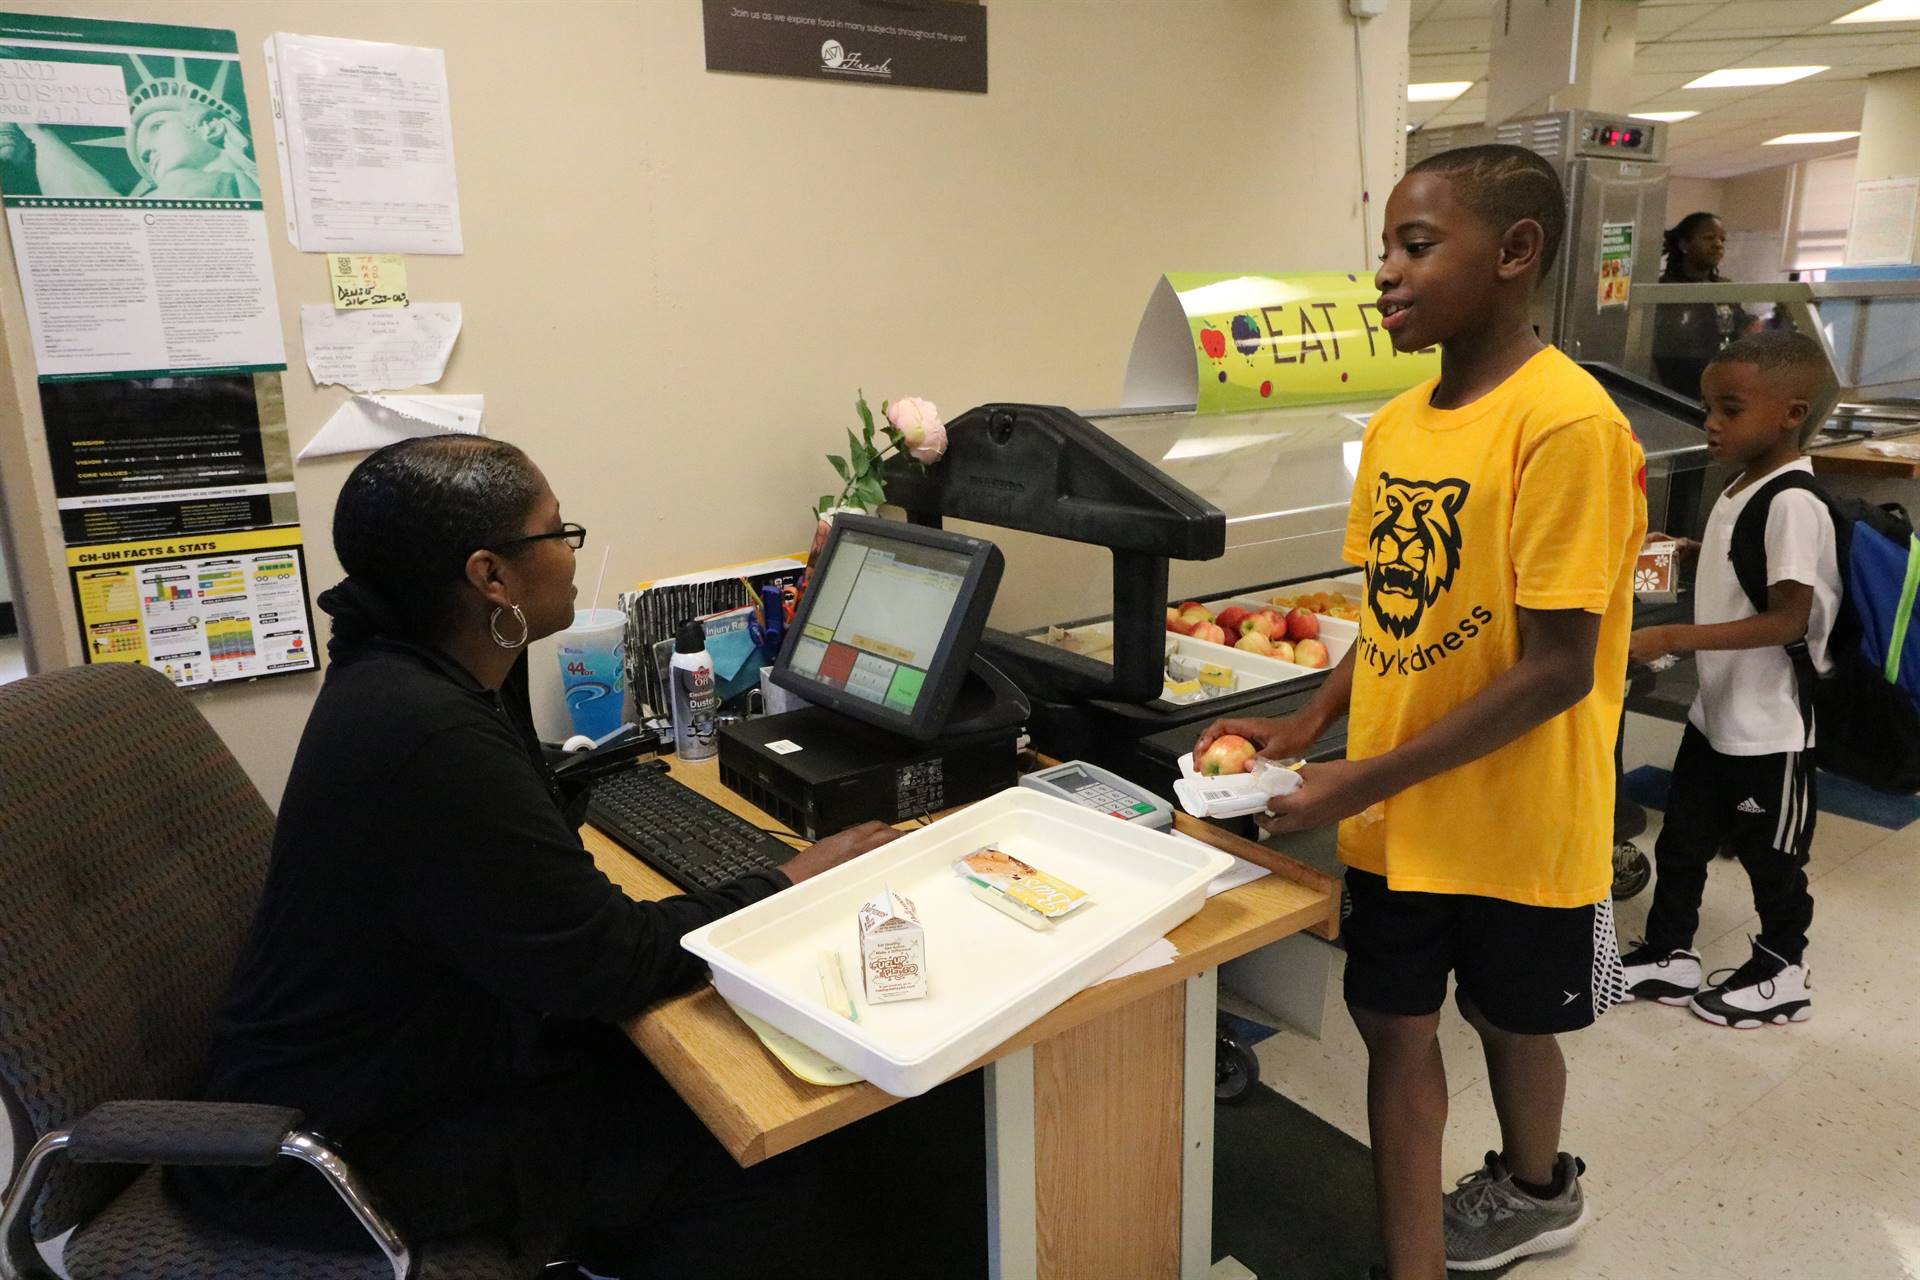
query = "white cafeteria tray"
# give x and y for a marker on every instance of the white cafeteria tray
(988, 976)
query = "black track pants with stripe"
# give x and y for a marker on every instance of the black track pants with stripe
(1761, 808)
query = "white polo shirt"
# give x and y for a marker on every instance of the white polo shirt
(1747, 704)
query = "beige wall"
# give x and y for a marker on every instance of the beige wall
(674, 281)
(1689, 195)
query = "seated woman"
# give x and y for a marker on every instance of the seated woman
(436, 968)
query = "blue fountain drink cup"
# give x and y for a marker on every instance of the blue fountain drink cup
(593, 670)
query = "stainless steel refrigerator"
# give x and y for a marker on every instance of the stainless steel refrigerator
(1611, 169)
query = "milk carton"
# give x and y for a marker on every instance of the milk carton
(893, 949)
(1655, 573)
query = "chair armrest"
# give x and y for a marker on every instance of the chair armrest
(190, 1133)
(183, 1133)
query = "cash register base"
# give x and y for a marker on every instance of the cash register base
(818, 771)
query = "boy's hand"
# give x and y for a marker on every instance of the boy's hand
(1684, 548)
(1283, 739)
(1327, 793)
(1649, 643)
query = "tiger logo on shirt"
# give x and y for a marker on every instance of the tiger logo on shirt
(1414, 549)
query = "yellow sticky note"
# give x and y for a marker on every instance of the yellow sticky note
(368, 281)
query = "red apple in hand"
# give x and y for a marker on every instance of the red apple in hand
(1231, 617)
(1228, 753)
(1282, 650)
(1254, 642)
(1302, 625)
(1310, 653)
(1210, 632)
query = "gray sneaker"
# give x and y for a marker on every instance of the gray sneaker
(1489, 1221)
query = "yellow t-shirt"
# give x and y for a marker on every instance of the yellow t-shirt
(1532, 496)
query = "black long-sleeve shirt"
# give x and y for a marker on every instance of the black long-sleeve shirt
(428, 910)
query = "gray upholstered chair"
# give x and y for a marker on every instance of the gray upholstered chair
(132, 851)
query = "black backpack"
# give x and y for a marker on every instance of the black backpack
(1868, 707)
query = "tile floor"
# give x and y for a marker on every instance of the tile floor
(1716, 1154)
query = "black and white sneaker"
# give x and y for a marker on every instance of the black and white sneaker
(1671, 977)
(1764, 991)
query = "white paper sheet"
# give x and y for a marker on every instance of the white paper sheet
(380, 350)
(367, 422)
(365, 133)
(1241, 872)
(1161, 952)
(1156, 955)
(1886, 220)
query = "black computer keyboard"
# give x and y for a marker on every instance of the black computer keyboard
(677, 831)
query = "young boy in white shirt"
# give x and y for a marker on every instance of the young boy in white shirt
(1744, 777)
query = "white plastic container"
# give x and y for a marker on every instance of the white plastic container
(988, 976)
(1232, 795)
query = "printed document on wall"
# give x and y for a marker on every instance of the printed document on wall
(200, 610)
(365, 132)
(133, 198)
(380, 350)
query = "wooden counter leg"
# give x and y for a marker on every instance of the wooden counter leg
(1116, 1176)
(1109, 1098)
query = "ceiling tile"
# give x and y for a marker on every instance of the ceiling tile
(1653, 24)
(1427, 67)
(1437, 34)
(1768, 17)
(1692, 55)
(1652, 86)
(1892, 58)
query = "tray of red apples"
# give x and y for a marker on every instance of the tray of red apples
(1297, 635)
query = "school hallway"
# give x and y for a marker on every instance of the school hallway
(1715, 1154)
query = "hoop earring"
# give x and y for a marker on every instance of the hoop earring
(493, 628)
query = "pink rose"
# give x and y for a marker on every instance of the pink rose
(919, 422)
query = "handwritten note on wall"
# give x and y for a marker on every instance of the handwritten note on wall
(368, 281)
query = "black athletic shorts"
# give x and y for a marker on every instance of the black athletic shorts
(1531, 970)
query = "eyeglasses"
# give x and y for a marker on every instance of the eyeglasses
(574, 534)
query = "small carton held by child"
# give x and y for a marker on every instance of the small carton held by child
(1656, 577)
(893, 949)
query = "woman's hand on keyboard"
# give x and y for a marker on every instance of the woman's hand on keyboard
(824, 855)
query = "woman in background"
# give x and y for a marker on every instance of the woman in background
(1687, 335)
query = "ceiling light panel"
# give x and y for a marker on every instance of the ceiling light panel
(1438, 90)
(1751, 77)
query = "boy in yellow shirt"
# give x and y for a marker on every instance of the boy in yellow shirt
(1498, 511)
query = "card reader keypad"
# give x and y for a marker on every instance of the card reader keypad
(1109, 800)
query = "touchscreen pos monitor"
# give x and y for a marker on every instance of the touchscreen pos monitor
(886, 631)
